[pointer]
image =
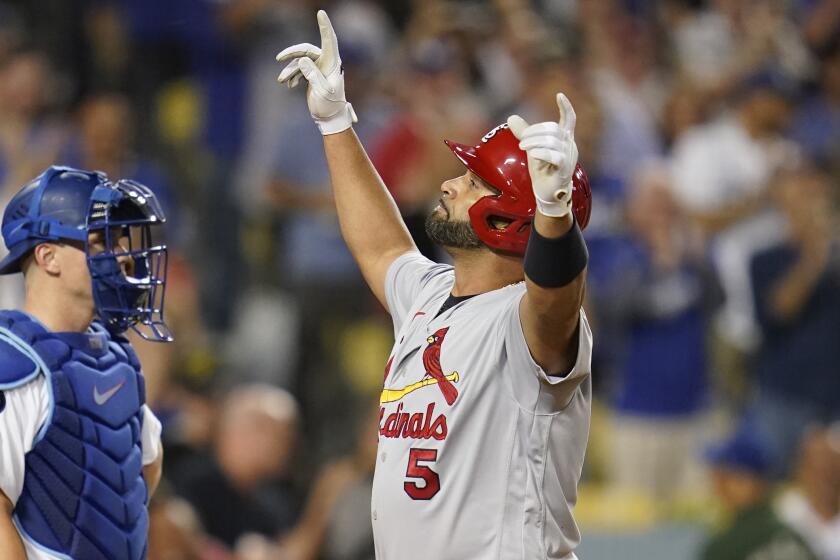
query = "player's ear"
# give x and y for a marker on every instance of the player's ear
(45, 257)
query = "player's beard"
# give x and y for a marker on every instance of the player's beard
(452, 234)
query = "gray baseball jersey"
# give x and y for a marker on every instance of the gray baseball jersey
(480, 452)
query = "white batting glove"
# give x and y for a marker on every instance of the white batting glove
(321, 67)
(552, 157)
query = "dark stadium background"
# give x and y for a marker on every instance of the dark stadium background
(710, 131)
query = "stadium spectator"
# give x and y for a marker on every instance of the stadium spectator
(243, 488)
(741, 471)
(30, 137)
(816, 123)
(719, 44)
(798, 305)
(661, 295)
(335, 524)
(812, 506)
(631, 87)
(721, 173)
(104, 142)
(175, 532)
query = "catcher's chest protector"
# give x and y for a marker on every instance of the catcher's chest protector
(84, 495)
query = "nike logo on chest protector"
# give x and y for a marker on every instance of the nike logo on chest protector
(102, 398)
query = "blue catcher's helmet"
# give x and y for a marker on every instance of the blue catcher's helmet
(67, 204)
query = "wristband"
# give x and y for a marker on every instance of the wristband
(338, 122)
(555, 208)
(553, 263)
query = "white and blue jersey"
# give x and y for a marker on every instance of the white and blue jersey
(74, 436)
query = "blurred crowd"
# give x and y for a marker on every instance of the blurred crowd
(710, 131)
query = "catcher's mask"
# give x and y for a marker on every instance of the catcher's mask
(129, 274)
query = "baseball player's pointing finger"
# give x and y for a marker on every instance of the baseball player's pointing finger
(329, 44)
(568, 118)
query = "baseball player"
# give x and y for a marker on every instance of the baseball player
(485, 412)
(80, 452)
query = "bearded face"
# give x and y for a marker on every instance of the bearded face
(452, 234)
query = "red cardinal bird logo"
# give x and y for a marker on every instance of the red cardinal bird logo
(431, 361)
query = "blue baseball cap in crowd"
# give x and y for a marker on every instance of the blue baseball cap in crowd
(768, 79)
(744, 451)
(53, 206)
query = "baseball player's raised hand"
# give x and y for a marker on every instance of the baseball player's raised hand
(321, 67)
(552, 157)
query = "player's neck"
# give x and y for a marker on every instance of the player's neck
(58, 313)
(477, 272)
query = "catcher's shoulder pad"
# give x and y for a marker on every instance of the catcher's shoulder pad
(16, 366)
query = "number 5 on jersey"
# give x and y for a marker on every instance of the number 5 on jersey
(415, 470)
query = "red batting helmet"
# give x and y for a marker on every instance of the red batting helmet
(499, 161)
